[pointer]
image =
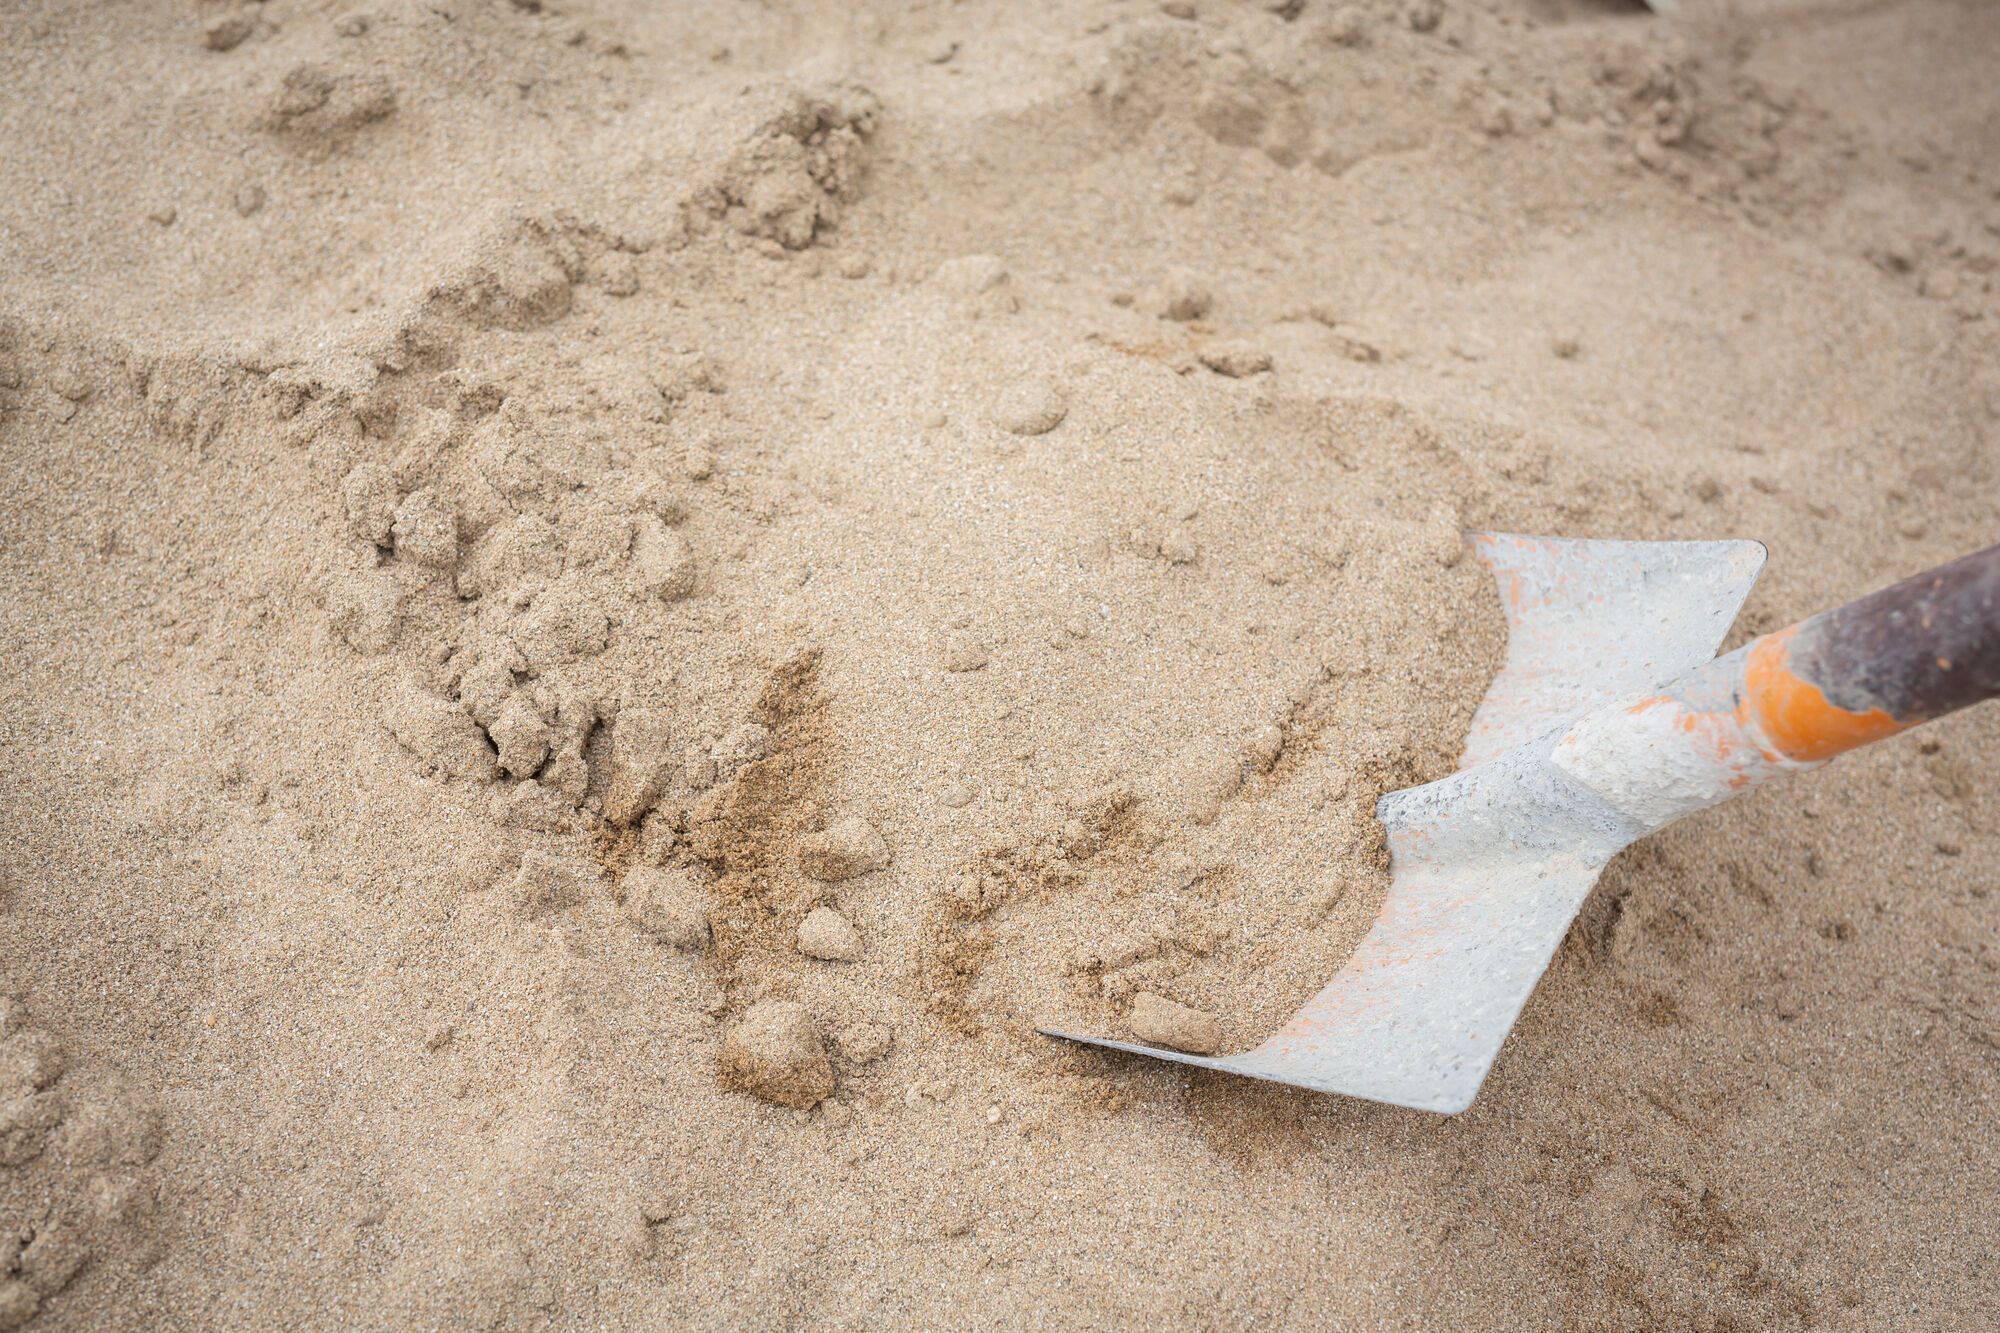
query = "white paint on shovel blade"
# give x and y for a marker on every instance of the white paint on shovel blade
(1589, 623)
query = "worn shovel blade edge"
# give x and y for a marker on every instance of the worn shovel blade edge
(1445, 1103)
(1489, 868)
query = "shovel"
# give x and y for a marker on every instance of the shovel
(1609, 721)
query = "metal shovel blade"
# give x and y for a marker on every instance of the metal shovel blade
(1489, 866)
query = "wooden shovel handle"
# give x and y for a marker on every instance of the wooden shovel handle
(1928, 646)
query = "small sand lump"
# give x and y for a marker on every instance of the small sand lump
(564, 624)
(969, 275)
(668, 905)
(742, 744)
(962, 652)
(1161, 1022)
(775, 1053)
(1031, 406)
(1178, 295)
(365, 611)
(440, 734)
(826, 934)
(1236, 359)
(18, 1303)
(661, 560)
(426, 530)
(844, 850)
(226, 32)
(547, 883)
(369, 493)
(864, 1043)
(521, 737)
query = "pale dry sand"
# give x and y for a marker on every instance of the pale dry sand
(510, 508)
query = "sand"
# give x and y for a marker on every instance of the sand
(606, 604)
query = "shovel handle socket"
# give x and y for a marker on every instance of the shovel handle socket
(1927, 646)
(1794, 699)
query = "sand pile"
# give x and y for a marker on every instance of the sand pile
(607, 607)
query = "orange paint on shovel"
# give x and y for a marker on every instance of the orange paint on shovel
(1796, 714)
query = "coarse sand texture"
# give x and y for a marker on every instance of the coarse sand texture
(606, 604)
